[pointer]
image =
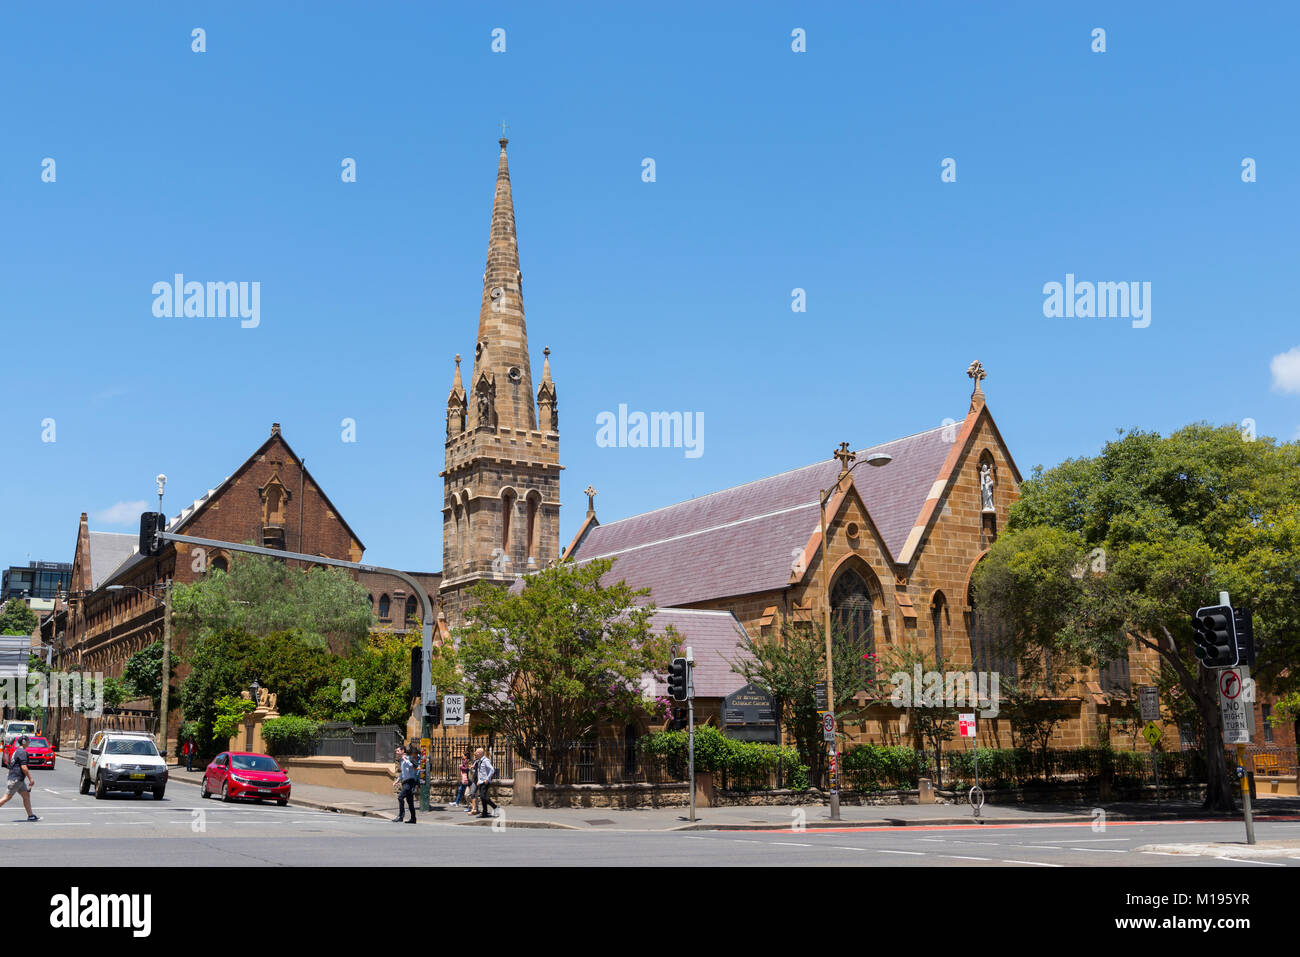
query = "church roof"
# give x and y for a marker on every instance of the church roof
(745, 539)
(713, 637)
(108, 550)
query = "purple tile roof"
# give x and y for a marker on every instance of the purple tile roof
(713, 637)
(743, 540)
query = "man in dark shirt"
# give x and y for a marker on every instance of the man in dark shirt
(20, 779)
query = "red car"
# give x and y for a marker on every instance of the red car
(39, 752)
(242, 774)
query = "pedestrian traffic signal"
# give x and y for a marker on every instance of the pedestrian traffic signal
(151, 523)
(1215, 635)
(680, 720)
(677, 680)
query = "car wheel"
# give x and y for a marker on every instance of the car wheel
(158, 793)
(225, 791)
(85, 783)
(101, 789)
(203, 789)
(139, 794)
(282, 802)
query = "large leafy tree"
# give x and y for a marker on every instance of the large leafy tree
(1123, 547)
(16, 618)
(548, 664)
(322, 607)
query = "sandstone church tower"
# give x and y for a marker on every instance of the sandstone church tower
(501, 477)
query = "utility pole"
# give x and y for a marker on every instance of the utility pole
(166, 665)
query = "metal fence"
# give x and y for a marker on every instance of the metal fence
(370, 743)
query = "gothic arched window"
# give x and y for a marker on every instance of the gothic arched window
(383, 606)
(852, 612)
(937, 611)
(410, 610)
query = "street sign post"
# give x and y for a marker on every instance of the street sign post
(453, 710)
(1153, 734)
(966, 725)
(1149, 702)
(828, 726)
(1233, 705)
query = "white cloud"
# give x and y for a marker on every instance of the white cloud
(123, 513)
(1286, 371)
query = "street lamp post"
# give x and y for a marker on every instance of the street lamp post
(876, 459)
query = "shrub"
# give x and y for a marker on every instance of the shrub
(746, 765)
(876, 767)
(289, 735)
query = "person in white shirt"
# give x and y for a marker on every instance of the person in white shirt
(485, 774)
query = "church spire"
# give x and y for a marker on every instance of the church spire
(501, 382)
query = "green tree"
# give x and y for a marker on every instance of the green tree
(322, 607)
(1123, 547)
(548, 664)
(228, 715)
(218, 668)
(789, 670)
(17, 619)
(142, 674)
(373, 684)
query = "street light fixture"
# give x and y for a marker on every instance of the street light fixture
(875, 459)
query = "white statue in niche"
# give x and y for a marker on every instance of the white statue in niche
(986, 486)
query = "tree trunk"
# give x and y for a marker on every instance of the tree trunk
(1218, 782)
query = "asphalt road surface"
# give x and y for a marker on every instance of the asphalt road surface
(184, 830)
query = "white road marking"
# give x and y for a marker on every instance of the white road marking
(885, 851)
(846, 847)
(1243, 861)
(1093, 840)
(1034, 863)
(959, 857)
(777, 843)
(1096, 850)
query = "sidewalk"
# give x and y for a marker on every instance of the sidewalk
(1263, 851)
(366, 804)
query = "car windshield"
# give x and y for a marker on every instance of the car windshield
(131, 746)
(253, 762)
(37, 743)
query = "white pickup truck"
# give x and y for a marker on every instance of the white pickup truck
(122, 761)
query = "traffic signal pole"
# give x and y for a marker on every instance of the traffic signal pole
(426, 606)
(690, 716)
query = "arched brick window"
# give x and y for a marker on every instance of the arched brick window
(383, 606)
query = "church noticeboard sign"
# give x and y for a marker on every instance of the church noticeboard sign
(750, 715)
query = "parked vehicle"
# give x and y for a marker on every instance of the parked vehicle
(242, 774)
(122, 761)
(15, 729)
(39, 753)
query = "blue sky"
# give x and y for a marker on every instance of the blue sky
(775, 170)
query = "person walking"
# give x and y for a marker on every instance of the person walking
(473, 782)
(406, 779)
(187, 751)
(485, 774)
(464, 777)
(20, 779)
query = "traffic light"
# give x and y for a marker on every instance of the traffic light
(433, 712)
(417, 670)
(1245, 622)
(677, 679)
(680, 720)
(151, 523)
(1215, 634)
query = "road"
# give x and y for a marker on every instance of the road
(184, 830)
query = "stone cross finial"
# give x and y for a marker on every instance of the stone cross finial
(547, 352)
(976, 372)
(504, 127)
(591, 500)
(845, 457)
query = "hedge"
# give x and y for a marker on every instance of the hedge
(289, 735)
(743, 765)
